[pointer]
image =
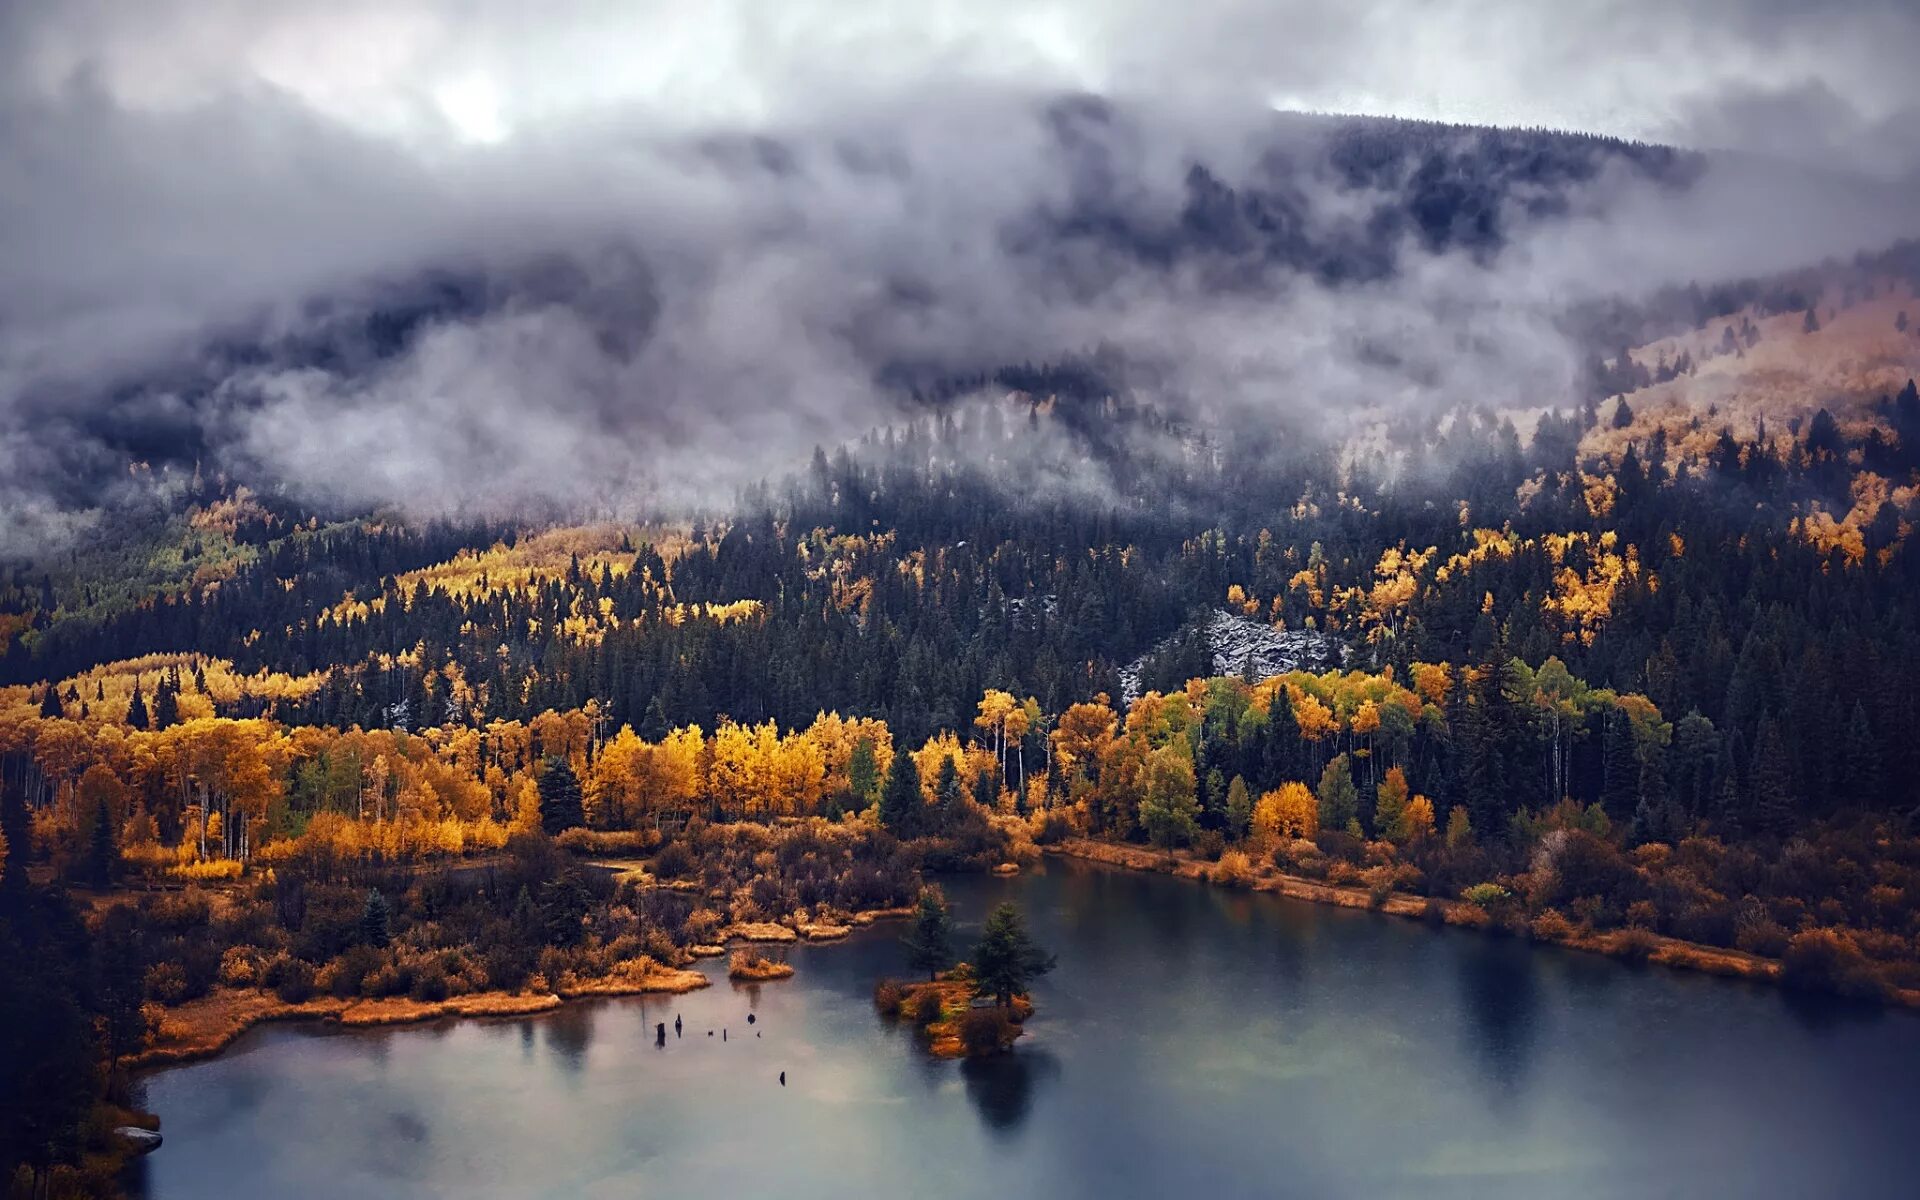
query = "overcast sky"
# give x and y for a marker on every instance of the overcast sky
(169, 166)
(1790, 75)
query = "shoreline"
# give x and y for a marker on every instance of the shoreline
(1653, 948)
(205, 1027)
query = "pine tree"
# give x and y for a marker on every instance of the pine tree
(560, 805)
(376, 920)
(1861, 771)
(1007, 961)
(103, 856)
(947, 794)
(1771, 780)
(137, 709)
(929, 940)
(1619, 790)
(166, 705)
(50, 706)
(902, 811)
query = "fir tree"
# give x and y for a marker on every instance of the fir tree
(560, 805)
(929, 940)
(103, 855)
(376, 919)
(902, 811)
(1007, 961)
(166, 705)
(137, 709)
(947, 795)
(1771, 780)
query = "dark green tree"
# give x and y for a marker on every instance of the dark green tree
(948, 792)
(863, 773)
(103, 852)
(560, 805)
(902, 810)
(1007, 961)
(166, 705)
(376, 920)
(137, 709)
(929, 940)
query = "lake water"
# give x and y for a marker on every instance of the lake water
(1191, 1042)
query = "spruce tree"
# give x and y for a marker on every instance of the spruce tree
(166, 706)
(103, 855)
(947, 794)
(1771, 780)
(50, 705)
(560, 805)
(929, 940)
(902, 811)
(1007, 961)
(1621, 784)
(137, 709)
(376, 920)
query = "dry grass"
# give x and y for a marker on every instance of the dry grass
(762, 931)
(943, 1012)
(637, 976)
(400, 1010)
(881, 914)
(751, 966)
(1636, 945)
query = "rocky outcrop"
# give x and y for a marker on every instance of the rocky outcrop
(1238, 641)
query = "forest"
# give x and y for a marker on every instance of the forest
(1633, 666)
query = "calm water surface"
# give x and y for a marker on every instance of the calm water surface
(1191, 1042)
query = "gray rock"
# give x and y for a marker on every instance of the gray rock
(146, 1141)
(1235, 639)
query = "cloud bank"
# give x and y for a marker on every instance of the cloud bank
(453, 256)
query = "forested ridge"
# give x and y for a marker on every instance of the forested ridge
(1637, 662)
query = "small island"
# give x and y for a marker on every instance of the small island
(750, 964)
(965, 1009)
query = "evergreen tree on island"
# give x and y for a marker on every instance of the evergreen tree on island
(560, 806)
(929, 941)
(1007, 960)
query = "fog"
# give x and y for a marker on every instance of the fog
(447, 257)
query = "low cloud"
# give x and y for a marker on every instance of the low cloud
(452, 259)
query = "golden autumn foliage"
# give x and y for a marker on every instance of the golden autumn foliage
(1289, 810)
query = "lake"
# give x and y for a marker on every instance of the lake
(1191, 1041)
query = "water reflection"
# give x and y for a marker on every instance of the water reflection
(569, 1030)
(1499, 995)
(1002, 1087)
(1278, 1048)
